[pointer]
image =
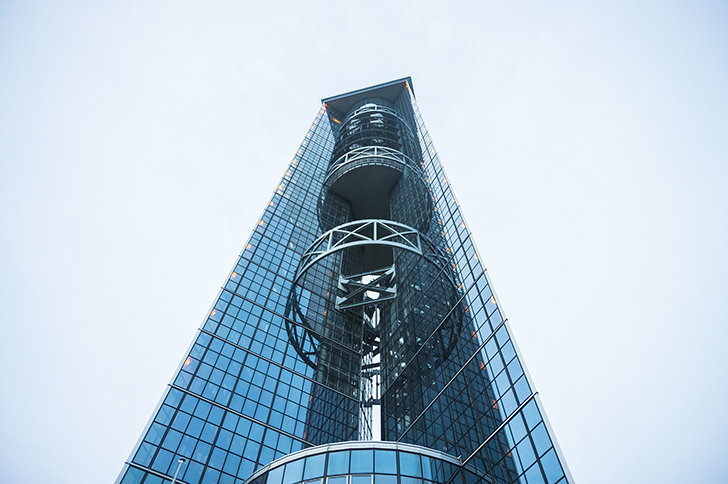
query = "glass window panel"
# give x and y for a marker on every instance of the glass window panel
(231, 464)
(201, 452)
(187, 446)
(193, 472)
(496, 364)
(155, 433)
(551, 467)
(428, 468)
(133, 476)
(508, 352)
(246, 467)
(502, 382)
(211, 477)
(338, 463)
(180, 421)
(518, 428)
(267, 455)
(144, 454)
(335, 480)
(411, 480)
(188, 405)
(314, 466)
(534, 476)
(541, 439)
(525, 451)
(445, 470)
(294, 472)
(508, 402)
(385, 462)
(410, 465)
(171, 441)
(218, 458)
(533, 416)
(514, 369)
(275, 476)
(162, 461)
(216, 415)
(385, 479)
(362, 461)
(360, 479)
(523, 391)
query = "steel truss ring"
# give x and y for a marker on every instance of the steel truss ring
(357, 233)
(353, 234)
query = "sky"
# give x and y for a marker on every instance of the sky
(586, 142)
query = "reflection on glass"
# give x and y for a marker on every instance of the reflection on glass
(385, 462)
(411, 480)
(384, 479)
(409, 464)
(314, 466)
(338, 463)
(294, 472)
(362, 461)
(275, 476)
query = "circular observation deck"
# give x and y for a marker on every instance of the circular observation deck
(365, 176)
(369, 157)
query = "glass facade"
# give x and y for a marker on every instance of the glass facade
(367, 462)
(359, 291)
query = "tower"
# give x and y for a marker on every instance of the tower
(359, 306)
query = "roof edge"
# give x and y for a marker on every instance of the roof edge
(403, 80)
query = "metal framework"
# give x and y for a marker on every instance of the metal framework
(373, 108)
(358, 233)
(361, 292)
(369, 155)
(305, 339)
(307, 342)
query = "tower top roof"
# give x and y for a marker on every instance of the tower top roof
(388, 90)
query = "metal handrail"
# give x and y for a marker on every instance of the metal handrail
(351, 234)
(374, 155)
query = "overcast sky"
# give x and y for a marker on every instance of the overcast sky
(586, 142)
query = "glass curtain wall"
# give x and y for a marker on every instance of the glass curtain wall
(360, 270)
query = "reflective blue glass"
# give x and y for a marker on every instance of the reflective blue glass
(362, 461)
(359, 291)
(294, 472)
(385, 462)
(338, 463)
(133, 476)
(314, 466)
(534, 475)
(276, 476)
(410, 464)
(385, 479)
(551, 467)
